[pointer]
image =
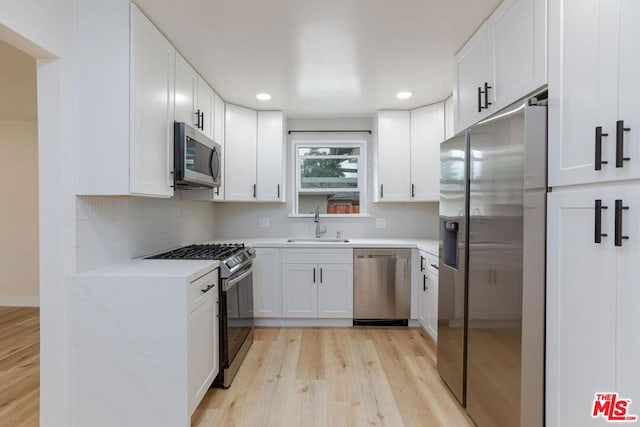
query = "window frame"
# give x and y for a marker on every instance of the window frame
(362, 189)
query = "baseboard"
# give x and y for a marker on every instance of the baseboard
(304, 323)
(19, 302)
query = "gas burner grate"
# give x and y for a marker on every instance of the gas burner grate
(214, 252)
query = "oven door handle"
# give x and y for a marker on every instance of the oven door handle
(231, 283)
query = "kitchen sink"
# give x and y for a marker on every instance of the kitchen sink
(318, 240)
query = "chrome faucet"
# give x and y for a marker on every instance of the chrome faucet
(316, 219)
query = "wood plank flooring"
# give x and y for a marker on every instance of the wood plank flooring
(19, 366)
(335, 377)
(291, 377)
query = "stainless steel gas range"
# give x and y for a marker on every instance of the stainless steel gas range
(236, 300)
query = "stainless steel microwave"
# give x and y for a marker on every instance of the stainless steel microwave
(197, 158)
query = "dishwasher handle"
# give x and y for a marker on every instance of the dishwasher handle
(380, 256)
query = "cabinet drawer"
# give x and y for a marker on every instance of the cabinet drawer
(333, 256)
(198, 288)
(432, 263)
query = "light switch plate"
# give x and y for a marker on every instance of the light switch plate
(264, 223)
(381, 223)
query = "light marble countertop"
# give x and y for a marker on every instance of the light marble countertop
(161, 268)
(427, 245)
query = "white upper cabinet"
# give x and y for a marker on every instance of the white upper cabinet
(186, 92)
(472, 93)
(503, 61)
(448, 118)
(124, 103)
(254, 155)
(194, 99)
(517, 43)
(240, 153)
(270, 157)
(408, 154)
(394, 156)
(219, 137)
(205, 108)
(427, 132)
(593, 89)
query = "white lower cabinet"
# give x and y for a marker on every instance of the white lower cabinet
(313, 289)
(428, 313)
(267, 283)
(592, 301)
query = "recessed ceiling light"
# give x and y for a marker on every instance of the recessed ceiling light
(263, 96)
(404, 95)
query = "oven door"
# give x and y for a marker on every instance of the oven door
(237, 320)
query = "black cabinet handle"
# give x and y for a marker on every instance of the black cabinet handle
(314, 275)
(599, 162)
(202, 120)
(620, 130)
(421, 263)
(479, 99)
(486, 94)
(424, 283)
(320, 275)
(198, 117)
(207, 289)
(435, 266)
(254, 190)
(597, 225)
(217, 190)
(413, 190)
(278, 191)
(618, 223)
(381, 191)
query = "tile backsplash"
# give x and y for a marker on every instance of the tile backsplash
(114, 229)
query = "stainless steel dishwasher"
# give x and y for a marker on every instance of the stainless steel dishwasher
(381, 286)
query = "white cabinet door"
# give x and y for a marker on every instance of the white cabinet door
(427, 132)
(335, 290)
(152, 109)
(629, 88)
(471, 73)
(583, 88)
(203, 349)
(432, 306)
(581, 307)
(299, 290)
(205, 108)
(219, 133)
(270, 172)
(424, 300)
(240, 153)
(448, 118)
(517, 43)
(628, 298)
(394, 156)
(186, 92)
(267, 283)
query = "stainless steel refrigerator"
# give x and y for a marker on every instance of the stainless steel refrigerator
(492, 268)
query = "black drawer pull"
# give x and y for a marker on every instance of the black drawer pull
(207, 289)
(479, 99)
(598, 222)
(599, 162)
(435, 266)
(620, 130)
(486, 95)
(424, 283)
(618, 223)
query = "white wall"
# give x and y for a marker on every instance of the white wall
(19, 245)
(241, 220)
(113, 229)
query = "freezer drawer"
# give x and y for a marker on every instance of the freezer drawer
(382, 284)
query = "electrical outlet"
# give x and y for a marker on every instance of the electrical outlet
(264, 223)
(381, 223)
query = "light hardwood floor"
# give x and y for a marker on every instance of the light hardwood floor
(291, 377)
(335, 377)
(19, 366)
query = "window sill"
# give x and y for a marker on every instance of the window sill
(325, 216)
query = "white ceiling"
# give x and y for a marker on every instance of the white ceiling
(323, 58)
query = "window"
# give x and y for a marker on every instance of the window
(330, 175)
